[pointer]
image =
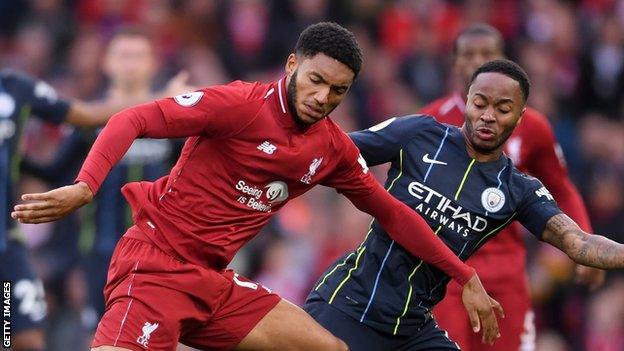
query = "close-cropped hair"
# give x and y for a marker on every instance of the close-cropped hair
(508, 68)
(479, 29)
(333, 40)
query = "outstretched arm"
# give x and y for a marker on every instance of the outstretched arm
(97, 113)
(413, 233)
(202, 113)
(547, 163)
(402, 223)
(112, 143)
(583, 248)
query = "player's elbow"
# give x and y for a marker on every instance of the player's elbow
(578, 250)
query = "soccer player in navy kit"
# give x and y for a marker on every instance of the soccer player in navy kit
(251, 148)
(22, 96)
(501, 263)
(379, 297)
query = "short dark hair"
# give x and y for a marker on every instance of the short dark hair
(508, 68)
(333, 40)
(478, 29)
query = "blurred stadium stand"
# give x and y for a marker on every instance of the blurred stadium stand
(572, 50)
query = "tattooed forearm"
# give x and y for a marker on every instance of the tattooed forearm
(597, 251)
(582, 252)
(590, 250)
(558, 225)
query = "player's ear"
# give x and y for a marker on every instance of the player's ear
(521, 115)
(291, 64)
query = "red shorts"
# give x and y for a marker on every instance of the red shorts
(154, 300)
(517, 329)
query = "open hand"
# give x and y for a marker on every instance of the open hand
(52, 205)
(177, 85)
(481, 308)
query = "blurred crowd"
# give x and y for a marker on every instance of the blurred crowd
(572, 50)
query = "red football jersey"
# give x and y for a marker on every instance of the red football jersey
(238, 169)
(245, 158)
(534, 150)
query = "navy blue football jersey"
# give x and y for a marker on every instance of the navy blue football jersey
(464, 201)
(21, 96)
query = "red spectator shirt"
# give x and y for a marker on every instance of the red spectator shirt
(534, 150)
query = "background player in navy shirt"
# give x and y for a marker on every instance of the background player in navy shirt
(22, 97)
(130, 66)
(380, 297)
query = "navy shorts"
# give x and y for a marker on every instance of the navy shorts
(28, 307)
(361, 337)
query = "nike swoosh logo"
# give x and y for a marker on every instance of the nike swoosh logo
(426, 159)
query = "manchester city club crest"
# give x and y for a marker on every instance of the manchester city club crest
(492, 199)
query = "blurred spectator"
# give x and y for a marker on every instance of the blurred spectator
(573, 51)
(602, 70)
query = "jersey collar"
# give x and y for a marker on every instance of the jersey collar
(284, 117)
(458, 136)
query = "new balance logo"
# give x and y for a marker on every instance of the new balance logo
(148, 329)
(426, 159)
(267, 148)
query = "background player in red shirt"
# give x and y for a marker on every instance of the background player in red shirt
(501, 262)
(251, 147)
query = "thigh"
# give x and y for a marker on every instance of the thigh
(28, 306)
(356, 335)
(251, 317)
(430, 338)
(242, 305)
(288, 327)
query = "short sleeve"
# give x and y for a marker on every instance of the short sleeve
(537, 206)
(41, 96)
(351, 176)
(382, 142)
(218, 112)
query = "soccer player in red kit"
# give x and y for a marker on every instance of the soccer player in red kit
(251, 147)
(501, 262)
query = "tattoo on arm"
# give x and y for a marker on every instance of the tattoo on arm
(590, 250)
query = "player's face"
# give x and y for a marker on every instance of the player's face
(130, 61)
(316, 85)
(494, 108)
(472, 52)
